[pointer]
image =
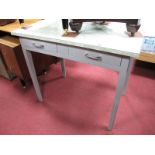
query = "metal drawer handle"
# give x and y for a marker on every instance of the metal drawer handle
(98, 58)
(38, 46)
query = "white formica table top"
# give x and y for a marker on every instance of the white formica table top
(111, 38)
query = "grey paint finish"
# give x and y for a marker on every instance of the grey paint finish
(110, 49)
(110, 38)
(119, 90)
(31, 68)
(120, 63)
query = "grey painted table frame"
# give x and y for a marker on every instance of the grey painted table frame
(123, 70)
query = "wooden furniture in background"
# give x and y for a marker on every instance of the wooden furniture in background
(144, 55)
(16, 25)
(12, 55)
(147, 57)
(3, 69)
(6, 21)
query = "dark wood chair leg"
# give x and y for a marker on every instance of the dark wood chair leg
(23, 83)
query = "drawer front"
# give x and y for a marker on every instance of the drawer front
(95, 58)
(39, 46)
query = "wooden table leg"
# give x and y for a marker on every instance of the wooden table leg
(123, 76)
(63, 68)
(31, 68)
(130, 66)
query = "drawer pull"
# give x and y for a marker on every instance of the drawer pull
(38, 46)
(98, 58)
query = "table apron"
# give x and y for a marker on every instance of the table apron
(102, 59)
